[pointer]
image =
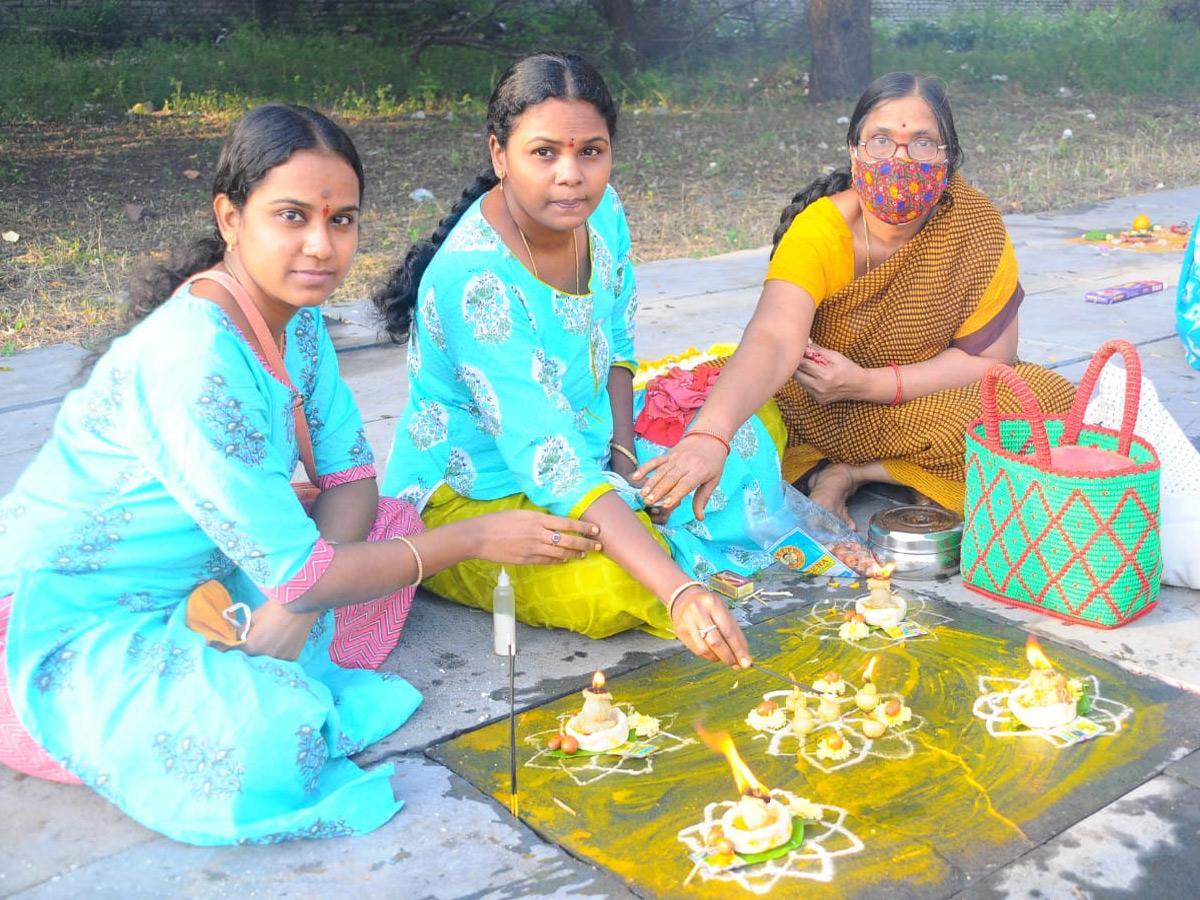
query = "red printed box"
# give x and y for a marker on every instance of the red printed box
(1124, 291)
(731, 584)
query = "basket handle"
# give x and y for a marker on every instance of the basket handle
(1029, 405)
(1133, 393)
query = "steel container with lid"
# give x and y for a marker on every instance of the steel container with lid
(922, 541)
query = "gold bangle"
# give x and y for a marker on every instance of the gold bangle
(624, 451)
(417, 556)
(678, 591)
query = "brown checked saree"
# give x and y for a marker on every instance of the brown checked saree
(953, 285)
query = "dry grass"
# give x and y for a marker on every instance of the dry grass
(695, 183)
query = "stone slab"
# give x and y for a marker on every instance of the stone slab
(1146, 844)
(904, 796)
(447, 843)
(453, 841)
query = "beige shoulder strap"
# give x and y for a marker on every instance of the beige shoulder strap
(251, 323)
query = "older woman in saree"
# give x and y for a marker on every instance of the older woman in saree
(891, 290)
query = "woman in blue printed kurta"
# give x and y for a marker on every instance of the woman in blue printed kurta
(169, 471)
(1187, 304)
(520, 366)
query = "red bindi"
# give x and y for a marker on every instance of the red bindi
(325, 211)
(571, 142)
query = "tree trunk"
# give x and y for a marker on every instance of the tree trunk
(263, 12)
(841, 48)
(622, 18)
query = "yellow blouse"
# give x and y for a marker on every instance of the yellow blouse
(817, 254)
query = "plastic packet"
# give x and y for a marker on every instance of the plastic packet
(803, 535)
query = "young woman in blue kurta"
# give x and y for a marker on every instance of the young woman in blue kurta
(1187, 304)
(168, 471)
(520, 370)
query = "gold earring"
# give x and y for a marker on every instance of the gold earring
(501, 176)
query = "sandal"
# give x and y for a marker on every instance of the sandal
(804, 483)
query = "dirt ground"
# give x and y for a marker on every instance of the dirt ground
(87, 202)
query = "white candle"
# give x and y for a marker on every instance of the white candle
(753, 811)
(881, 591)
(504, 617)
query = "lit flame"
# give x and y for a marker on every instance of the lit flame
(881, 573)
(870, 668)
(1034, 654)
(597, 682)
(742, 776)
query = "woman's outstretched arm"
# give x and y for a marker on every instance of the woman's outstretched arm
(362, 571)
(770, 350)
(633, 548)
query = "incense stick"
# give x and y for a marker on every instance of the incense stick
(804, 687)
(512, 729)
(563, 806)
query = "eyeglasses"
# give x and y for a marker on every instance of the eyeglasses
(921, 149)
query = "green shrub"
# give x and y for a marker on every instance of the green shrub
(370, 70)
(1179, 10)
(1120, 52)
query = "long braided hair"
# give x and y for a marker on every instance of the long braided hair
(527, 82)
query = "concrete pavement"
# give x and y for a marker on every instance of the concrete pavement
(452, 841)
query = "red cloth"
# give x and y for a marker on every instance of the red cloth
(365, 633)
(17, 749)
(671, 403)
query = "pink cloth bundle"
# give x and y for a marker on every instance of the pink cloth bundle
(671, 403)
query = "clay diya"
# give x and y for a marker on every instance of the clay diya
(756, 823)
(598, 726)
(1044, 699)
(882, 607)
(867, 696)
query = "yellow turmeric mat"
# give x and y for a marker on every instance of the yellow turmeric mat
(954, 786)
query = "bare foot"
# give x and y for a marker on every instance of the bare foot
(831, 487)
(920, 499)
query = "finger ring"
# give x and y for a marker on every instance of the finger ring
(555, 538)
(706, 629)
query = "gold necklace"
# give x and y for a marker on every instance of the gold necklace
(866, 239)
(574, 243)
(578, 291)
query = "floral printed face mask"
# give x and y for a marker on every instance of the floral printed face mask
(899, 190)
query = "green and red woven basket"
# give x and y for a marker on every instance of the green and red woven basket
(1069, 532)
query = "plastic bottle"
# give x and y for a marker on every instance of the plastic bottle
(504, 616)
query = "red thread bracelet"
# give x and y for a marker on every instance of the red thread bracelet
(714, 436)
(899, 385)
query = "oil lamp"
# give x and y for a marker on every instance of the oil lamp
(867, 697)
(1044, 699)
(757, 822)
(882, 607)
(598, 726)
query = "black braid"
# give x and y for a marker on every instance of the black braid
(833, 183)
(395, 301)
(153, 281)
